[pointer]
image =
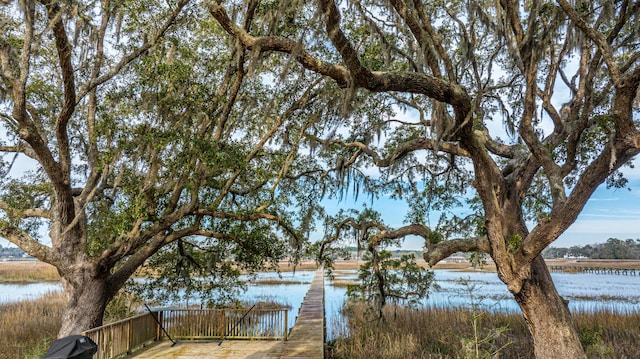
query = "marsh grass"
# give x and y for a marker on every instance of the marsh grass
(446, 332)
(30, 272)
(27, 328)
(343, 283)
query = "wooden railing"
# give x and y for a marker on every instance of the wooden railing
(229, 323)
(127, 336)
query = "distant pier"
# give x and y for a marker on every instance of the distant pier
(594, 270)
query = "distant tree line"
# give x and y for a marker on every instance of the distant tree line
(10, 252)
(613, 248)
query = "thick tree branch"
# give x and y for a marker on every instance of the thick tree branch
(430, 86)
(236, 216)
(542, 154)
(278, 44)
(25, 213)
(92, 148)
(435, 251)
(402, 150)
(342, 44)
(21, 239)
(441, 250)
(19, 86)
(63, 48)
(562, 216)
(22, 148)
(436, 39)
(363, 228)
(412, 229)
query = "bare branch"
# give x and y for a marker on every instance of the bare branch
(595, 36)
(125, 60)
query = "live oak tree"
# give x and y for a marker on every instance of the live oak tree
(381, 278)
(532, 104)
(136, 134)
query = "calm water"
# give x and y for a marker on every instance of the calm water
(584, 291)
(17, 292)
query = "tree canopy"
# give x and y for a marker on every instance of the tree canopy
(156, 124)
(532, 104)
(147, 132)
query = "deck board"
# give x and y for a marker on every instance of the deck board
(229, 349)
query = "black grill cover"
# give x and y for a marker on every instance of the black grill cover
(72, 347)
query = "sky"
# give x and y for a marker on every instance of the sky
(610, 213)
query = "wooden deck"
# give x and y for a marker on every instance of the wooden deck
(200, 349)
(306, 340)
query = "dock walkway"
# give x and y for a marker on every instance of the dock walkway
(306, 340)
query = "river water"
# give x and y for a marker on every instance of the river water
(588, 292)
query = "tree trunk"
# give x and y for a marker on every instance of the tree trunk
(87, 300)
(548, 317)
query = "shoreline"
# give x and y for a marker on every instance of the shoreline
(465, 266)
(32, 271)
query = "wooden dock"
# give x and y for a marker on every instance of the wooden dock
(305, 341)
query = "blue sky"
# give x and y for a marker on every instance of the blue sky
(610, 213)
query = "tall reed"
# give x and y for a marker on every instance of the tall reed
(28, 327)
(447, 333)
